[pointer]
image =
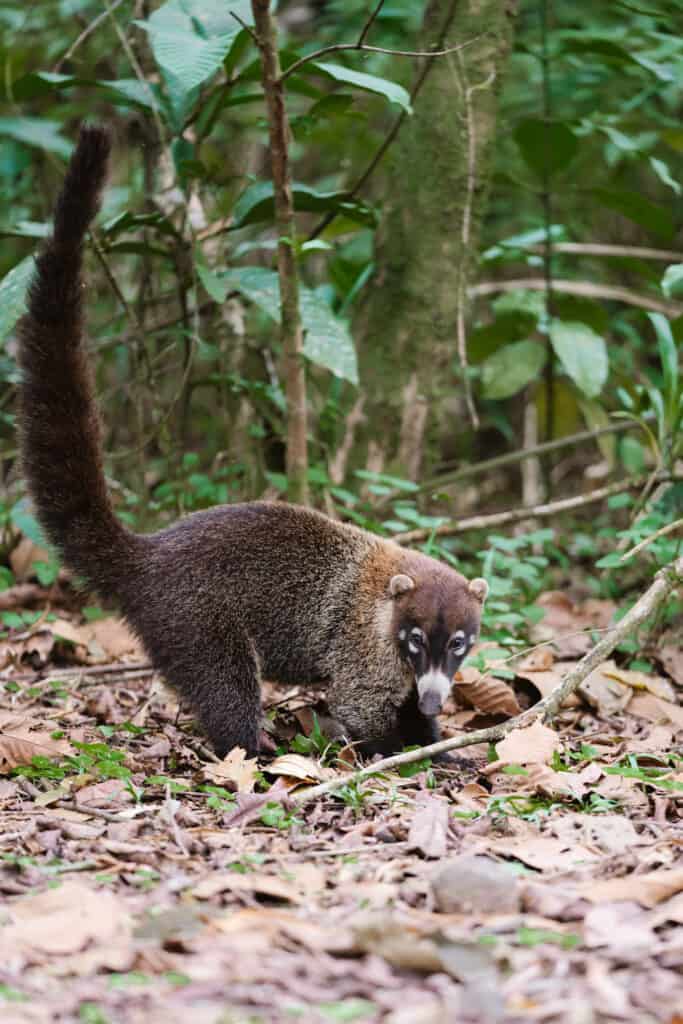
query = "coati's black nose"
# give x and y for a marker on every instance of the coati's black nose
(430, 703)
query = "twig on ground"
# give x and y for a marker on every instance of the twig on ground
(665, 582)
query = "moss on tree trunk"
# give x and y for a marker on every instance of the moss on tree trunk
(434, 194)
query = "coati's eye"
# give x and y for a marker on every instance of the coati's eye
(416, 641)
(458, 643)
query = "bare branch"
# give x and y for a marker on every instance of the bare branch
(605, 249)
(518, 515)
(590, 289)
(669, 528)
(665, 582)
(338, 47)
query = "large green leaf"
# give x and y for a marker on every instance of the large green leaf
(256, 204)
(368, 83)
(327, 340)
(583, 355)
(547, 146)
(637, 208)
(190, 40)
(13, 288)
(511, 368)
(38, 132)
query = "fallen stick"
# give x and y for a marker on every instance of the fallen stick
(665, 581)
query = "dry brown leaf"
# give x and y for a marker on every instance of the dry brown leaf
(611, 833)
(658, 739)
(251, 882)
(84, 928)
(542, 778)
(102, 641)
(646, 705)
(22, 557)
(486, 693)
(671, 657)
(534, 745)
(235, 768)
(299, 768)
(568, 624)
(657, 685)
(647, 889)
(546, 681)
(23, 737)
(541, 659)
(429, 826)
(545, 853)
(603, 690)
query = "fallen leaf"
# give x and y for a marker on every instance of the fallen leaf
(545, 853)
(22, 557)
(23, 737)
(604, 692)
(250, 882)
(429, 826)
(542, 778)
(671, 657)
(541, 659)
(534, 745)
(646, 705)
(657, 685)
(546, 681)
(610, 833)
(486, 692)
(623, 928)
(647, 889)
(84, 928)
(296, 766)
(235, 768)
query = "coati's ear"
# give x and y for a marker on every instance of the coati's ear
(400, 584)
(478, 588)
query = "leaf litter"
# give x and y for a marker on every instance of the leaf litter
(140, 880)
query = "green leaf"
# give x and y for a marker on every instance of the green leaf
(635, 207)
(368, 83)
(664, 174)
(13, 288)
(511, 368)
(38, 132)
(327, 340)
(583, 355)
(38, 83)
(672, 282)
(256, 204)
(190, 40)
(669, 359)
(547, 146)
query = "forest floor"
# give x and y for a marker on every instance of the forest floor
(142, 881)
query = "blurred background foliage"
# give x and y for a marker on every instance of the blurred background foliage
(529, 202)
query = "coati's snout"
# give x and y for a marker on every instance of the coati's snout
(437, 622)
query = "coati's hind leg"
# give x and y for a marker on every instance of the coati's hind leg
(225, 693)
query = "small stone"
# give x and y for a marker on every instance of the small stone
(475, 884)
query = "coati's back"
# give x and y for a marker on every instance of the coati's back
(227, 595)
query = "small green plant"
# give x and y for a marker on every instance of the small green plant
(274, 815)
(315, 743)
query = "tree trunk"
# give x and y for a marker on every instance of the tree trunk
(438, 170)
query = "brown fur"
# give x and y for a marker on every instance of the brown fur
(224, 597)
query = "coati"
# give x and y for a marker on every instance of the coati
(240, 592)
